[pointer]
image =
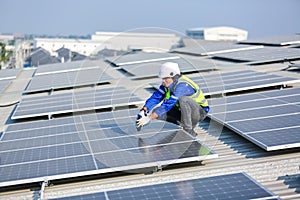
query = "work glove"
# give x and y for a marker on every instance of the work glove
(142, 119)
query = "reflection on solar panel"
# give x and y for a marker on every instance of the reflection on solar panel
(6, 74)
(4, 84)
(141, 57)
(269, 119)
(151, 69)
(262, 55)
(75, 101)
(67, 80)
(221, 83)
(276, 40)
(68, 67)
(233, 186)
(211, 47)
(92, 144)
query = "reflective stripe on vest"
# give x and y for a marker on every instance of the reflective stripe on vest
(198, 96)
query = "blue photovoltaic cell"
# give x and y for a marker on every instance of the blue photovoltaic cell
(269, 119)
(75, 101)
(233, 186)
(67, 80)
(91, 144)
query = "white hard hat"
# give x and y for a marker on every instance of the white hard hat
(169, 69)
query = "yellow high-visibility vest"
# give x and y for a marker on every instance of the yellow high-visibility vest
(198, 96)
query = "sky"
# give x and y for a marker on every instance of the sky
(261, 18)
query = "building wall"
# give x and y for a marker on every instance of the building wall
(110, 40)
(145, 41)
(218, 33)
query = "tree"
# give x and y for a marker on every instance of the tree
(3, 54)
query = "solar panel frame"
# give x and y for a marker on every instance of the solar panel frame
(234, 186)
(38, 139)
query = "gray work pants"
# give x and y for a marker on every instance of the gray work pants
(188, 116)
(191, 113)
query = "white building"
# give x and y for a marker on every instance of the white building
(110, 40)
(135, 40)
(218, 33)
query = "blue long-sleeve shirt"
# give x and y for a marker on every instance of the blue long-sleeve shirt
(182, 89)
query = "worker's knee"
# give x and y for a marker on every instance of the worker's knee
(183, 99)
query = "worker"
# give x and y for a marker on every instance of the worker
(183, 101)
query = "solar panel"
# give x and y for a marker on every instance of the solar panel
(141, 57)
(151, 69)
(232, 186)
(262, 55)
(68, 67)
(269, 119)
(275, 40)
(75, 101)
(6, 74)
(67, 79)
(205, 48)
(92, 144)
(227, 82)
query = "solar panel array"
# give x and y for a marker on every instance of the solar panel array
(227, 82)
(262, 55)
(75, 101)
(92, 144)
(67, 80)
(276, 40)
(233, 186)
(269, 119)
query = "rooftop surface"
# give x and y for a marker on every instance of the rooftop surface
(278, 171)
